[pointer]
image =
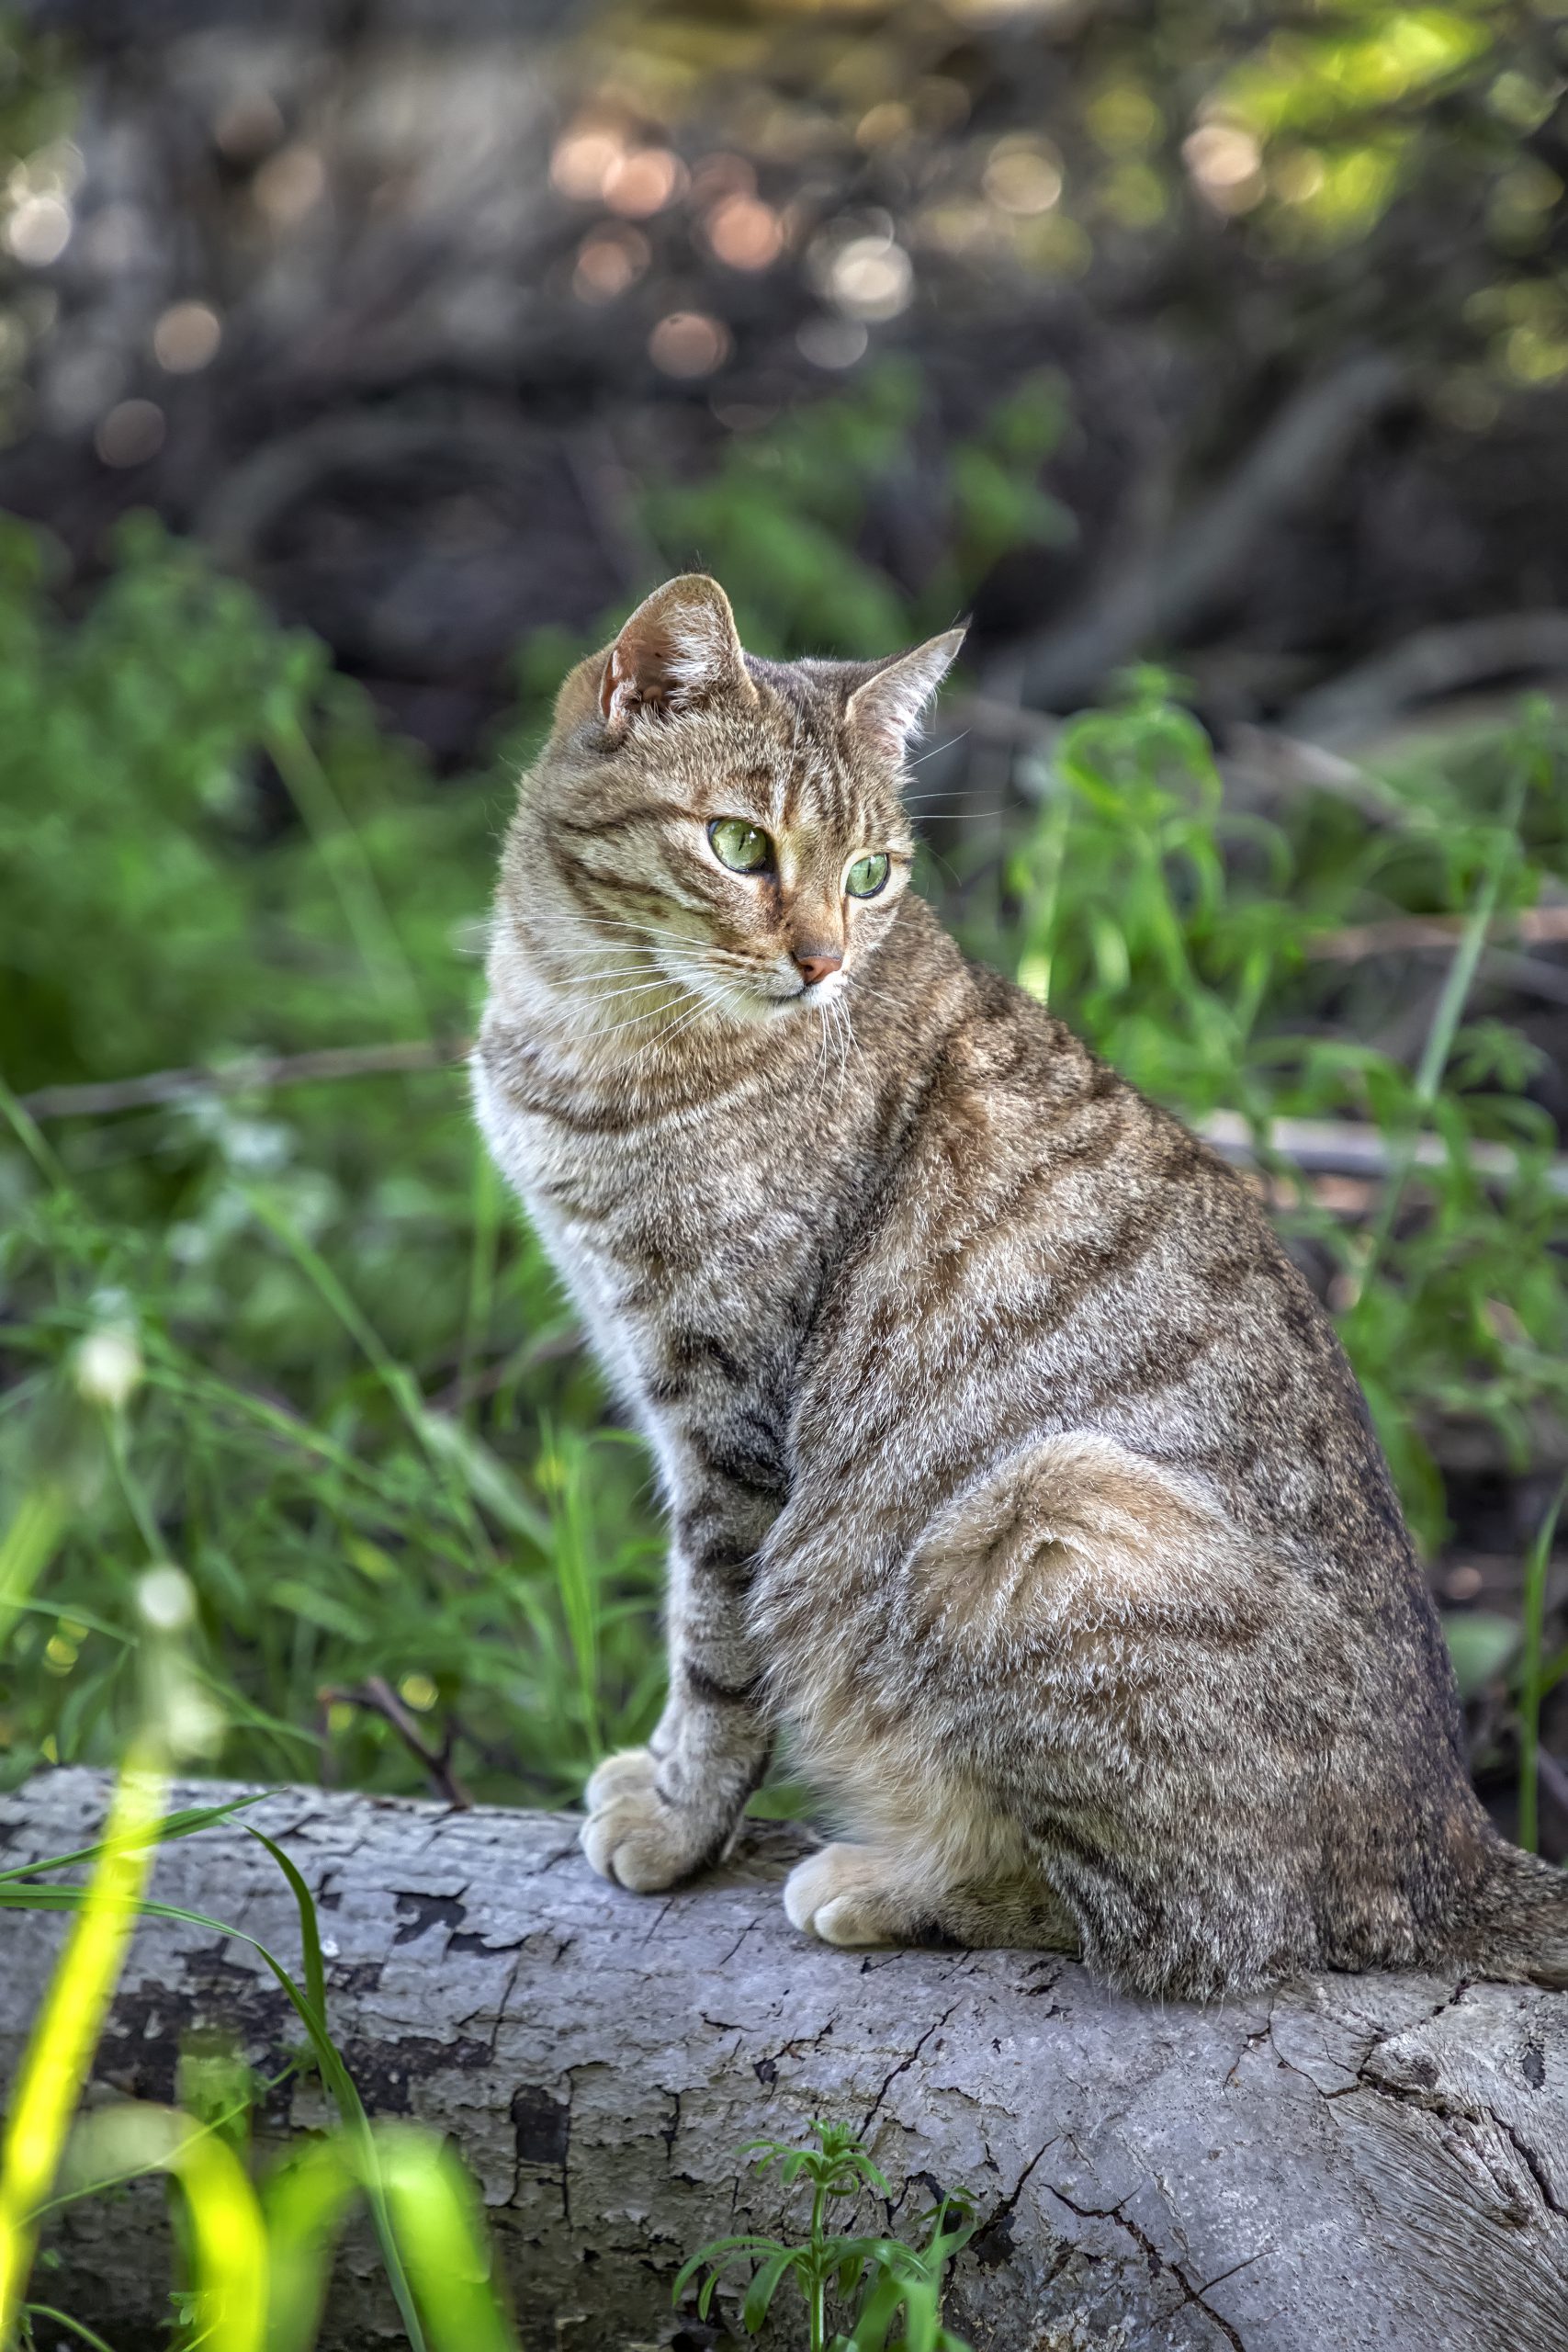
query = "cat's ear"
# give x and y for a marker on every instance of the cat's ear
(678, 648)
(887, 706)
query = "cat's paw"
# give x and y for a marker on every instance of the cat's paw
(634, 1835)
(842, 1895)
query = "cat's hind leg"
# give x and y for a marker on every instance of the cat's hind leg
(1120, 1670)
(873, 1895)
(1075, 1714)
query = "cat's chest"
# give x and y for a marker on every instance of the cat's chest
(677, 1236)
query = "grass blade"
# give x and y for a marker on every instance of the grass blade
(88, 2335)
(227, 2235)
(69, 2025)
(438, 2228)
(308, 2007)
(173, 1825)
(27, 1547)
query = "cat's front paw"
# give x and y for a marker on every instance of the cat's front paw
(640, 1838)
(842, 1895)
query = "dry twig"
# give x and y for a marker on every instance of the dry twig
(1409, 934)
(376, 1695)
(259, 1073)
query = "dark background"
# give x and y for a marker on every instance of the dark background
(472, 275)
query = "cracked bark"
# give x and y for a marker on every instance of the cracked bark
(1353, 2161)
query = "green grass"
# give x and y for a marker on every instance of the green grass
(257, 2250)
(1177, 936)
(350, 1353)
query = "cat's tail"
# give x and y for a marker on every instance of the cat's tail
(1514, 1926)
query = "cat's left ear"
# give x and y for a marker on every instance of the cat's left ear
(678, 648)
(888, 705)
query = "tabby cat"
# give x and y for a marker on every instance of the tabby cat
(1009, 1462)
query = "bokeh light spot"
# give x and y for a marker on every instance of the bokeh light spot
(744, 232)
(956, 224)
(186, 337)
(290, 183)
(583, 162)
(1226, 165)
(887, 124)
(1023, 175)
(832, 343)
(38, 229)
(1221, 155)
(131, 433)
(609, 262)
(871, 277)
(689, 343)
(1123, 117)
(248, 127)
(643, 183)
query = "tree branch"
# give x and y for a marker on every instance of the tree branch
(257, 1073)
(1152, 605)
(1434, 662)
(1344, 2161)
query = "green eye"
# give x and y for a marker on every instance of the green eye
(867, 874)
(744, 848)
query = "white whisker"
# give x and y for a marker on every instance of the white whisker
(643, 987)
(845, 1035)
(704, 1005)
(952, 744)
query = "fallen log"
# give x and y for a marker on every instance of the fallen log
(1353, 2161)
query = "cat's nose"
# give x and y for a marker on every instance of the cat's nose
(813, 968)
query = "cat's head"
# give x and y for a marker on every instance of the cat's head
(727, 827)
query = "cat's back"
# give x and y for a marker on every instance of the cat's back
(1054, 1253)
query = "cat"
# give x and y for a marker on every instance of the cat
(1009, 1461)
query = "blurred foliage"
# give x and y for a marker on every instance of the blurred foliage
(37, 165)
(279, 1265)
(1043, 141)
(788, 520)
(37, 102)
(147, 758)
(255, 2255)
(780, 519)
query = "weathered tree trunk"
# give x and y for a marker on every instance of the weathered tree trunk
(1358, 2161)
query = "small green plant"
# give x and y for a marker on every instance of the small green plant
(900, 2284)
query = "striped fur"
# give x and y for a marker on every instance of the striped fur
(1010, 1467)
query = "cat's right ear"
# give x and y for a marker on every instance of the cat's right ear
(678, 649)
